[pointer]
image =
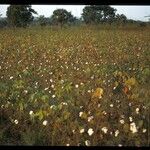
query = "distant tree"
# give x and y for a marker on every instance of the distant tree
(142, 24)
(20, 15)
(61, 17)
(89, 15)
(98, 13)
(148, 17)
(131, 21)
(121, 18)
(77, 21)
(3, 22)
(108, 13)
(42, 20)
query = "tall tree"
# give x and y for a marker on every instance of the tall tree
(61, 17)
(98, 13)
(121, 18)
(3, 22)
(20, 15)
(90, 15)
(42, 20)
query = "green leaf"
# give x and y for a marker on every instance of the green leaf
(45, 97)
(21, 106)
(126, 128)
(40, 115)
(60, 106)
(130, 82)
(84, 115)
(66, 115)
(140, 123)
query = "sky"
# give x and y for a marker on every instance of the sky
(132, 12)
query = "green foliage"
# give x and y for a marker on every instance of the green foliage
(32, 138)
(97, 14)
(42, 20)
(19, 15)
(121, 19)
(3, 22)
(61, 17)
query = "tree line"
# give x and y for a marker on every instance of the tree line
(22, 16)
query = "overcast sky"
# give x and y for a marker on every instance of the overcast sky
(132, 12)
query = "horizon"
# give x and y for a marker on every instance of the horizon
(131, 12)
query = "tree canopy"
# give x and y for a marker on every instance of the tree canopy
(121, 18)
(61, 17)
(20, 15)
(42, 20)
(98, 13)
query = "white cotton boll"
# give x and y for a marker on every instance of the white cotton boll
(89, 91)
(64, 103)
(52, 86)
(114, 88)
(137, 110)
(11, 77)
(53, 96)
(98, 105)
(111, 105)
(82, 131)
(133, 128)
(52, 106)
(16, 121)
(90, 118)
(144, 130)
(104, 129)
(45, 122)
(130, 118)
(76, 85)
(87, 143)
(80, 114)
(130, 104)
(81, 83)
(92, 77)
(89, 112)
(2, 106)
(73, 131)
(104, 112)
(46, 89)
(25, 91)
(90, 131)
(81, 106)
(116, 133)
(62, 81)
(31, 112)
(122, 121)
